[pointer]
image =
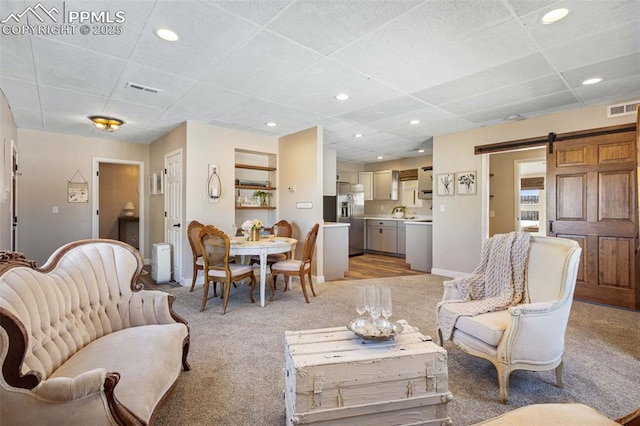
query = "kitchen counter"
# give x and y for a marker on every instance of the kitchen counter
(334, 224)
(405, 219)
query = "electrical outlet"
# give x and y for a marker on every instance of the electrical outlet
(441, 207)
(382, 208)
(54, 210)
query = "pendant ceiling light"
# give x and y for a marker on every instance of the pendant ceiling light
(106, 124)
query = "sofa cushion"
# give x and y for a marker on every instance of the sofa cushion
(148, 358)
(487, 327)
(551, 414)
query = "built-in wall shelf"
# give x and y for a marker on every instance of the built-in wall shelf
(253, 167)
(263, 188)
(254, 208)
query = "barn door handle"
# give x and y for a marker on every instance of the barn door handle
(551, 227)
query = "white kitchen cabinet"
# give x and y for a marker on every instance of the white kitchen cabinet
(402, 238)
(366, 179)
(418, 245)
(382, 235)
(385, 185)
(329, 173)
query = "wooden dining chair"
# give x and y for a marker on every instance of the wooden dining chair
(193, 230)
(280, 229)
(297, 268)
(215, 245)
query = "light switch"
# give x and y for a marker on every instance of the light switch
(492, 213)
(54, 210)
(441, 207)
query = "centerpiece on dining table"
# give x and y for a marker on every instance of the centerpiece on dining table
(251, 229)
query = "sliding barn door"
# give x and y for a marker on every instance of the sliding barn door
(592, 199)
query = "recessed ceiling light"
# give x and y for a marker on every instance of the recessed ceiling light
(357, 135)
(592, 81)
(167, 34)
(414, 122)
(342, 96)
(554, 16)
(379, 157)
(271, 124)
(421, 150)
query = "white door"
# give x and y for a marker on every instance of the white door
(173, 208)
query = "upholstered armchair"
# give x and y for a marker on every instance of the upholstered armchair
(530, 335)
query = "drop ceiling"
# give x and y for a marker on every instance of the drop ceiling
(452, 65)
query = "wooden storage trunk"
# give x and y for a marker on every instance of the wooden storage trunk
(333, 377)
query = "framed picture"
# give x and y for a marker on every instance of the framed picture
(77, 192)
(466, 182)
(445, 184)
(152, 184)
(158, 182)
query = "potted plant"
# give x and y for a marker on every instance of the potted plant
(399, 211)
(262, 195)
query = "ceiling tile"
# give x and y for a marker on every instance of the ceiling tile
(16, 60)
(20, 94)
(513, 72)
(207, 101)
(28, 118)
(64, 101)
(585, 17)
(506, 95)
(530, 107)
(593, 48)
(610, 90)
(137, 115)
(385, 109)
(275, 57)
(172, 87)
(608, 70)
(327, 26)
(207, 35)
(67, 123)
(258, 11)
(68, 67)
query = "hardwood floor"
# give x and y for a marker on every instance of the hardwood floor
(370, 265)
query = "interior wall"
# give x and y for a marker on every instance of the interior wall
(118, 185)
(8, 133)
(172, 141)
(383, 208)
(47, 162)
(209, 144)
(460, 222)
(502, 189)
(301, 166)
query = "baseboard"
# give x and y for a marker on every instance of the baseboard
(447, 273)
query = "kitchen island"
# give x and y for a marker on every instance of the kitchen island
(336, 250)
(419, 241)
(386, 234)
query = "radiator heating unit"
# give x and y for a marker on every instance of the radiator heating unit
(161, 263)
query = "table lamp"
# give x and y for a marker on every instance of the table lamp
(129, 209)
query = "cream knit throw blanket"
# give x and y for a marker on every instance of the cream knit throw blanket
(498, 282)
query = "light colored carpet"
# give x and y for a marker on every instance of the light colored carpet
(237, 359)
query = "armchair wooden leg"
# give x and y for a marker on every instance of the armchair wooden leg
(286, 282)
(503, 382)
(559, 370)
(304, 288)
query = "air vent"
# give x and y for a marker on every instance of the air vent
(622, 109)
(143, 88)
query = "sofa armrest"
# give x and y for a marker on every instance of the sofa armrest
(450, 292)
(531, 308)
(67, 389)
(152, 307)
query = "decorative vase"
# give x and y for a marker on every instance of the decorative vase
(255, 234)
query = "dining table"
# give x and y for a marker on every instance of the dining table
(262, 247)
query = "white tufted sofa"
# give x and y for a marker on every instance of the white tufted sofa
(81, 343)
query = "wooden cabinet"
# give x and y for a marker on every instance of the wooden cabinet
(382, 235)
(418, 246)
(128, 230)
(385, 185)
(348, 176)
(366, 179)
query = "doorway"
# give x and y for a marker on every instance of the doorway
(119, 201)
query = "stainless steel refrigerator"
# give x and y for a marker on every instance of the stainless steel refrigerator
(350, 209)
